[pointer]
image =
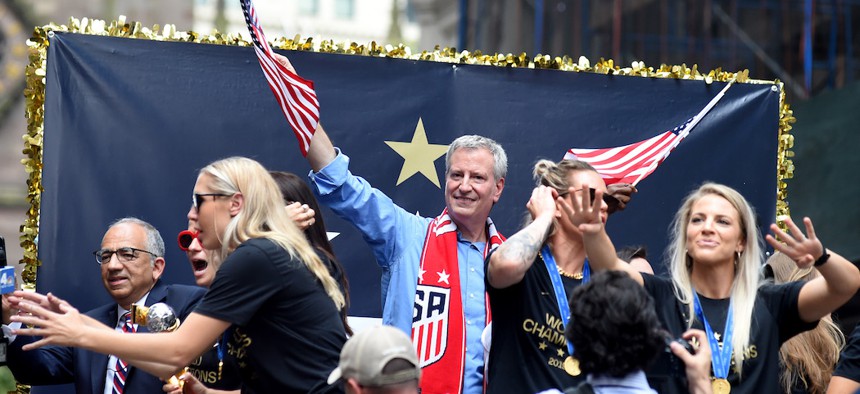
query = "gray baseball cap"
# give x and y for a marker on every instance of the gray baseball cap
(365, 355)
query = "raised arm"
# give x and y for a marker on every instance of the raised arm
(585, 214)
(509, 263)
(67, 328)
(839, 279)
(321, 152)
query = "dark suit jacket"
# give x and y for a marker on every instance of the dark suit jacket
(58, 365)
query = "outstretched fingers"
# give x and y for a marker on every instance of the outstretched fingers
(582, 211)
(810, 230)
(803, 249)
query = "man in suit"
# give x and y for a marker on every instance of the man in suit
(132, 261)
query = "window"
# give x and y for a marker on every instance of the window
(309, 7)
(344, 9)
(410, 12)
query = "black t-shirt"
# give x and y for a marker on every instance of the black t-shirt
(775, 320)
(287, 333)
(849, 360)
(528, 346)
(205, 368)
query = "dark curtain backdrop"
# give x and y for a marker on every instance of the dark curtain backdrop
(129, 122)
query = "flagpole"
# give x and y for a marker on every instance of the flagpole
(686, 131)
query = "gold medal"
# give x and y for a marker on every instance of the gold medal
(571, 366)
(721, 386)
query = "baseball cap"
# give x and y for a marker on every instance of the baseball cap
(365, 355)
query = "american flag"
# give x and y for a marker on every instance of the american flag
(632, 163)
(295, 95)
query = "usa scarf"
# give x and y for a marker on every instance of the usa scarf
(438, 329)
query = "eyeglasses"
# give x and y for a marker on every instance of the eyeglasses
(124, 255)
(186, 237)
(197, 201)
(611, 202)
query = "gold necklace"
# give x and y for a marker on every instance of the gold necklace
(577, 275)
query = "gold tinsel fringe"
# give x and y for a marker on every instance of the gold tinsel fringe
(35, 91)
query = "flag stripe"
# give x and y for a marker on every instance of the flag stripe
(614, 162)
(632, 163)
(295, 95)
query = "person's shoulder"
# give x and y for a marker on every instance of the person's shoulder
(264, 245)
(185, 289)
(100, 311)
(769, 289)
(263, 252)
(652, 280)
(253, 249)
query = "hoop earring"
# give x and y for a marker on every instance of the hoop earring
(737, 257)
(687, 259)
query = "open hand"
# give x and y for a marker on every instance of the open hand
(803, 249)
(582, 212)
(49, 317)
(45, 301)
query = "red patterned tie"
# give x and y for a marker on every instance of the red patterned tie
(121, 368)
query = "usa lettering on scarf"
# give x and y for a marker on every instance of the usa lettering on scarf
(438, 328)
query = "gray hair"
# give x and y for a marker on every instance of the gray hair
(154, 242)
(500, 159)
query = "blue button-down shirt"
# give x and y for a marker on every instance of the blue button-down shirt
(397, 238)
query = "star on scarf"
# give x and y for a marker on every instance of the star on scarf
(443, 277)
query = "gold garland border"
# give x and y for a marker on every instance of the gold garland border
(35, 92)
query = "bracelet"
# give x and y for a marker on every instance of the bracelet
(825, 257)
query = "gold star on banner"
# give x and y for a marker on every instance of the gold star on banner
(542, 345)
(418, 156)
(560, 352)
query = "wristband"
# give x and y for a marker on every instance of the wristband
(825, 257)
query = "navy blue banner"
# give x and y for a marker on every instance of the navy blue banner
(129, 122)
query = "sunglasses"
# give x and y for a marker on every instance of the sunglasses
(185, 238)
(197, 201)
(611, 202)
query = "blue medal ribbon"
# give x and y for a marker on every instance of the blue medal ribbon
(220, 349)
(558, 288)
(721, 358)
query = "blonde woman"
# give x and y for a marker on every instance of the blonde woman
(714, 260)
(809, 358)
(272, 288)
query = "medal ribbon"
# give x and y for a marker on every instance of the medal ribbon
(558, 288)
(721, 358)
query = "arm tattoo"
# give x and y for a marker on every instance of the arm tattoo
(523, 247)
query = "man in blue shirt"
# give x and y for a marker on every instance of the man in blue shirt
(474, 180)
